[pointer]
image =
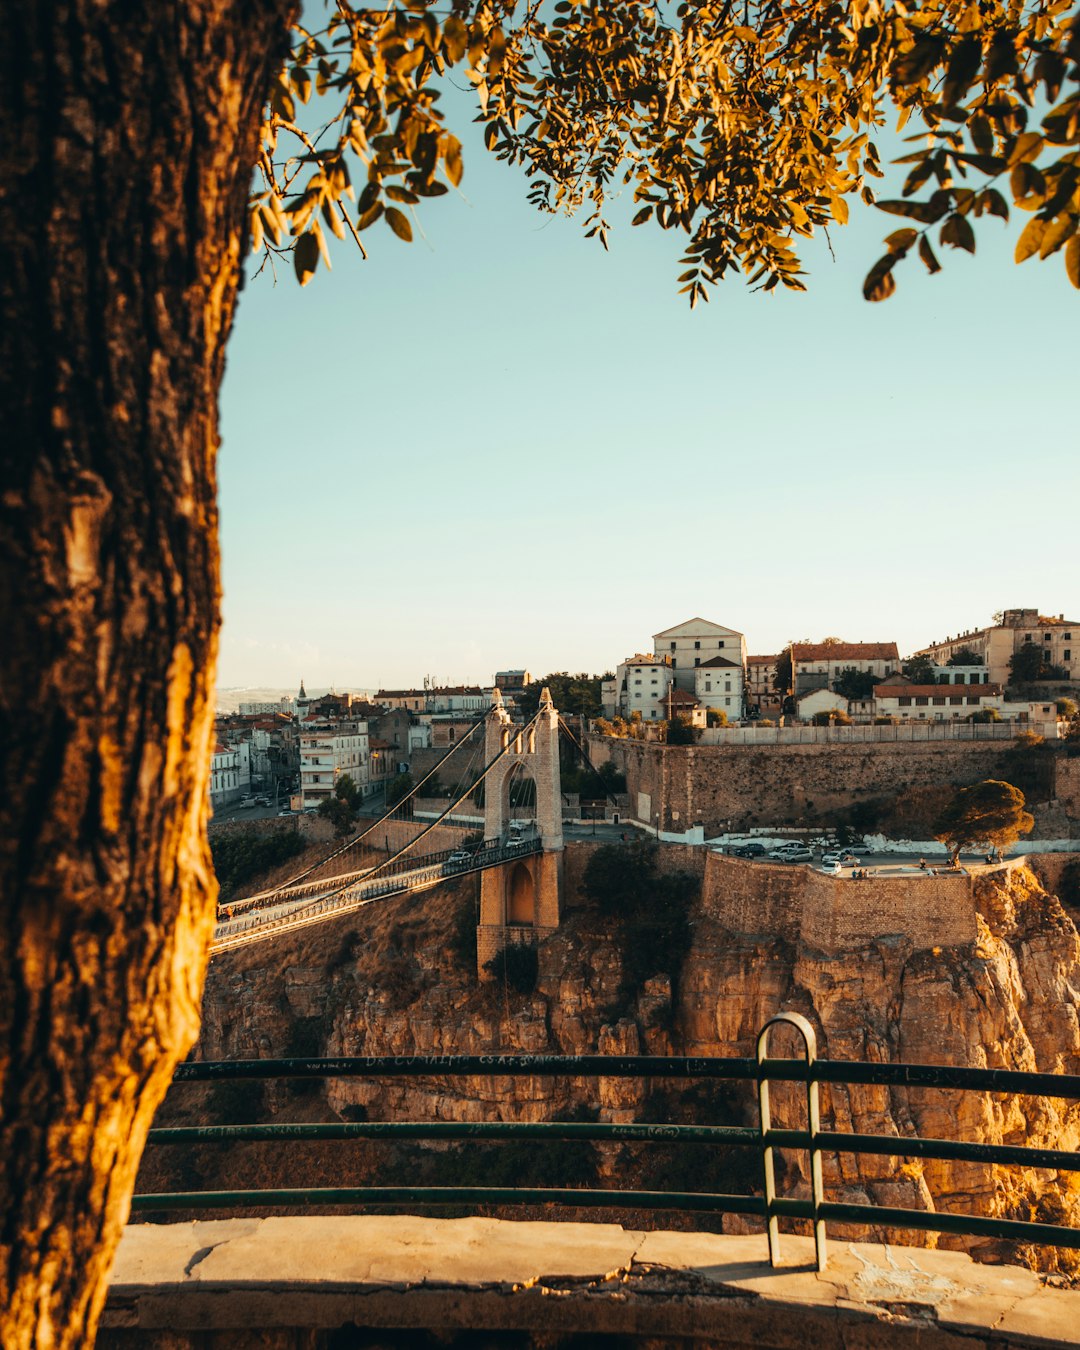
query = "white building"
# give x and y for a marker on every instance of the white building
(818, 665)
(225, 786)
(693, 643)
(285, 706)
(641, 684)
(720, 683)
(820, 701)
(939, 702)
(328, 750)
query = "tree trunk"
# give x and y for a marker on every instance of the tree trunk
(128, 139)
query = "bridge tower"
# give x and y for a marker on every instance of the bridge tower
(519, 901)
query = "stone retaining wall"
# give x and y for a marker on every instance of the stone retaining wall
(793, 902)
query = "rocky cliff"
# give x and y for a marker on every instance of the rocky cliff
(400, 979)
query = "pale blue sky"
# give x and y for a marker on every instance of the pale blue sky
(502, 447)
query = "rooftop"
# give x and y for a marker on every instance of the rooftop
(844, 651)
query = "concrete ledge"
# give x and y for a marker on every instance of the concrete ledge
(300, 1281)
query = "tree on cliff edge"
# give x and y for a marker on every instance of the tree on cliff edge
(987, 814)
(129, 138)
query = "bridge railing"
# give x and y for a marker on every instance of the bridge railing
(424, 871)
(763, 1138)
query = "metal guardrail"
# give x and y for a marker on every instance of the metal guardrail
(763, 1137)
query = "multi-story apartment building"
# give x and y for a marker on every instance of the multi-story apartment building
(693, 643)
(761, 681)
(1057, 638)
(225, 785)
(818, 665)
(719, 683)
(329, 750)
(285, 706)
(640, 686)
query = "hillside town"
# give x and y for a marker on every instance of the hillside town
(699, 684)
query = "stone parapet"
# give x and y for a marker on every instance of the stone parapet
(287, 1283)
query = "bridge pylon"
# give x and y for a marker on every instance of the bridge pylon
(519, 902)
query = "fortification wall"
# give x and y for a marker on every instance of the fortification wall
(778, 785)
(771, 900)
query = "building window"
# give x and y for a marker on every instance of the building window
(727, 703)
(720, 643)
(939, 703)
(697, 646)
(708, 686)
(674, 663)
(956, 699)
(905, 702)
(921, 702)
(974, 698)
(1067, 655)
(673, 646)
(727, 686)
(697, 660)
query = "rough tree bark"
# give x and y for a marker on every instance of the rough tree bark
(128, 139)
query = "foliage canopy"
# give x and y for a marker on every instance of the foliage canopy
(743, 127)
(987, 813)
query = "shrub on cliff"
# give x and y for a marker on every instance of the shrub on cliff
(649, 912)
(515, 967)
(239, 857)
(990, 813)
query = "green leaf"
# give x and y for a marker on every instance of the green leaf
(1030, 239)
(306, 258)
(399, 223)
(1072, 260)
(957, 231)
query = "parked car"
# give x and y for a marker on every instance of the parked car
(839, 859)
(286, 812)
(262, 801)
(748, 851)
(793, 855)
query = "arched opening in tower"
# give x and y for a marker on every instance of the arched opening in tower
(521, 897)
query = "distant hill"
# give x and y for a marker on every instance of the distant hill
(229, 700)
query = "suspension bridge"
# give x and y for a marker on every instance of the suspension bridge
(496, 774)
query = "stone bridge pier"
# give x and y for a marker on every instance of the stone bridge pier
(519, 901)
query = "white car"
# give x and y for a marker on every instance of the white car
(839, 859)
(781, 851)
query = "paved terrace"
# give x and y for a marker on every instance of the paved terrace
(286, 1283)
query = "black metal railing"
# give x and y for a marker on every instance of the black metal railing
(763, 1137)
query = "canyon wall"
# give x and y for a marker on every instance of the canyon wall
(978, 971)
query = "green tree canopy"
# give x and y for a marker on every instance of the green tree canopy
(920, 670)
(965, 656)
(339, 815)
(990, 813)
(1028, 663)
(571, 694)
(345, 790)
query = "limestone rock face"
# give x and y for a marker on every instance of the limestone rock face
(1009, 999)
